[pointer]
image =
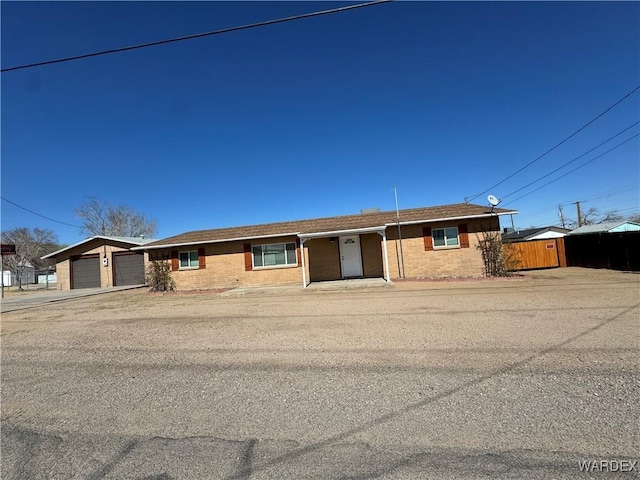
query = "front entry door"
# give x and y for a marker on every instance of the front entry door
(350, 257)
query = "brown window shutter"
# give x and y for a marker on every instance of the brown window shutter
(174, 260)
(298, 253)
(463, 233)
(428, 239)
(248, 261)
(202, 259)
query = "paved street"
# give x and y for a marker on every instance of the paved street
(519, 378)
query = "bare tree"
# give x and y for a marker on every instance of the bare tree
(498, 259)
(100, 218)
(611, 216)
(590, 216)
(30, 246)
(158, 276)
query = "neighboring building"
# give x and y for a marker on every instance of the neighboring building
(435, 242)
(614, 245)
(47, 276)
(607, 227)
(28, 276)
(100, 261)
(530, 234)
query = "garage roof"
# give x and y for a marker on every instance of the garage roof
(129, 240)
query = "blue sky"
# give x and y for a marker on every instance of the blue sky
(316, 117)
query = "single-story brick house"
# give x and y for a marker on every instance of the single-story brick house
(100, 261)
(433, 242)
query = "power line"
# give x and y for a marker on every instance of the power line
(624, 211)
(609, 193)
(198, 35)
(571, 161)
(39, 215)
(578, 167)
(557, 145)
(554, 208)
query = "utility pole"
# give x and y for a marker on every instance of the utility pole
(579, 214)
(561, 216)
(395, 194)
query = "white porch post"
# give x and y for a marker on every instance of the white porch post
(304, 268)
(386, 256)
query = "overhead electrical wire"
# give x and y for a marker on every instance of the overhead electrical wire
(608, 193)
(469, 199)
(574, 169)
(38, 214)
(197, 35)
(624, 212)
(570, 161)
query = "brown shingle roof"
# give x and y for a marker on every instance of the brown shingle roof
(328, 224)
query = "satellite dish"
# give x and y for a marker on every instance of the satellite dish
(493, 200)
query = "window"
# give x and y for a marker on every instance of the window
(445, 237)
(189, 259)
(274, 254)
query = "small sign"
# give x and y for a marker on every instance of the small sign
(8, 249)
(551, 246)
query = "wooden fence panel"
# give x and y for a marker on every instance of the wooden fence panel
(536, 253)
(562, 253)
(618, 251)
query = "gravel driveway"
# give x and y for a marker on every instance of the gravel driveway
(517, 378)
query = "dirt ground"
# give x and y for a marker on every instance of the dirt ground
(535, 373)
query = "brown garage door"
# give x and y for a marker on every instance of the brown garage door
(128, 269)
(86, 272)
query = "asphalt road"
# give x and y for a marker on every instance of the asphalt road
(507, 379)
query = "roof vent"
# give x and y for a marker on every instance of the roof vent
(366, 211)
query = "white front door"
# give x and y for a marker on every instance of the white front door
(350, 258)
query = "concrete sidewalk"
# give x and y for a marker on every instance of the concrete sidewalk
(332, 285)
(43, 297)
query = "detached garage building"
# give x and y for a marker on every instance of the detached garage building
(100, 262)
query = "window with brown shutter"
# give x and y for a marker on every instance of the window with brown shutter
(299, 252)
(428, 240)
(202, 259)
(463, 233)
(174, 260)
(248, 261)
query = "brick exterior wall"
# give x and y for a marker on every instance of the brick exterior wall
(63, 275)
(225, 267)
(324, 259)
(372, 263)
(448, 262)
(63, 266)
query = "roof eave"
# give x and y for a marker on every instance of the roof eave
(86, 240)
(447, 219)
(350, 231)
(201, 242)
